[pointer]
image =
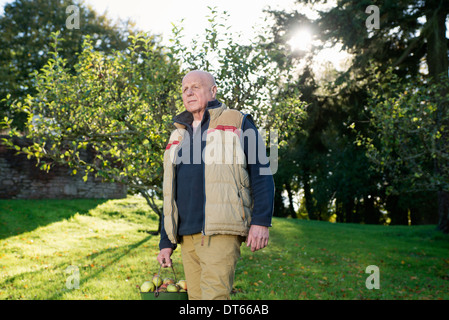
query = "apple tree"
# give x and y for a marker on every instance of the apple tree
(118, 106)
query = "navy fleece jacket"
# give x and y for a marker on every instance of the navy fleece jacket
(190, 180)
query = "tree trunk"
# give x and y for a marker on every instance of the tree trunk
(310, 207)
(349, 211)
(397, 214)
(291, 208)
(279, 208)
(356, 216)
(437, 60)
(443, 211)
(339, 210)
(155, 208)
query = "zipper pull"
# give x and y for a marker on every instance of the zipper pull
(202, 237)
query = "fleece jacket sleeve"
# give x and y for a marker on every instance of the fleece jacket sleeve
(164, 241)
(262, 184)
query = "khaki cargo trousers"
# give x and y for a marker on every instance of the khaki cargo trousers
(209, 265)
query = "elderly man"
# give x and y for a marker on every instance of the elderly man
(214, 197)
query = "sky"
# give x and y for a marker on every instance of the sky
(157, 16)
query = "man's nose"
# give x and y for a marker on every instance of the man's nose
(189, 92)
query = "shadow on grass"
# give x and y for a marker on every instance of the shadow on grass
(19, 216)
(110, 263)
(108, 257)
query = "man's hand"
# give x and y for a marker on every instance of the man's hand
(164, 257)
(257, 237)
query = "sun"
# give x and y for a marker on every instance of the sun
(301, 40)
(304, 41)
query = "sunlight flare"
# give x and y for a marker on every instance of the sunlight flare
(301, 40)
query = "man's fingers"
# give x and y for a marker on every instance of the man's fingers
(256, 243)
(261, 243)
(164, 257)
(166, 262)
(258, 237)
(265, 242)
(252, 242)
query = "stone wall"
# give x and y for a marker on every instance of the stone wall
(20, 178)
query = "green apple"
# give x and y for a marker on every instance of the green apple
(147, 286)
(168, 281)
(157, 281)
(182, 284)
(172, 288)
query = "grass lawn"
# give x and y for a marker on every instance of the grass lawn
(43, 241)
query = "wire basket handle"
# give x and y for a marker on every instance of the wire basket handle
(156, 292)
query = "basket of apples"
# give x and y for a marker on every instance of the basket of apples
(166, 289)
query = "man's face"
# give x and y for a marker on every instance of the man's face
(197, 91)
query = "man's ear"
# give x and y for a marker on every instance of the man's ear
(214, 91)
